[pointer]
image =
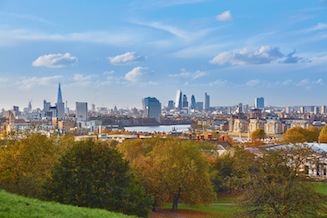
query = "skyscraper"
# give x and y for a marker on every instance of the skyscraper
(206, 102)
(259, 103)
(81, 111)
(60, 105)
(178, 102)
(193, 102)
(185, 102)
(152, 108)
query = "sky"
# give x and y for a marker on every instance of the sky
(116, 52)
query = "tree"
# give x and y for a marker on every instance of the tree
(277, 189)
(171, 169)
(323, 135)
(91, 174)
(27, 163)
(300, 135)
(258, 134)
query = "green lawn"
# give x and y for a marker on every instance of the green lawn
(13, 206)
(321, 187)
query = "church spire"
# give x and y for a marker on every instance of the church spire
(59, 100)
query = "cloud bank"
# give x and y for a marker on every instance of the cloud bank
(135, 75)
(55, 61)
(264, 55)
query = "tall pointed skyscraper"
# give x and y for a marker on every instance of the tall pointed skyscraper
(59, 99)
(60, 105)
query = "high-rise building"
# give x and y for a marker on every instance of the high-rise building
(170, 105)
(206, 102)
(60, 105)
(259, 103)
(29, 108)
(81, 111)
(199, 105)
(16, 110)
(323, 109)
(301, 110)
(179, 100)
(46, 106)
(152, 108)
(193, 102)
(185, 102)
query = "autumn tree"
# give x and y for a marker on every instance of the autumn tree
(277, 189)
(300, 135)
(323, 135)
(171, 169)
(27, 163)
(258, 134)
(92, 174)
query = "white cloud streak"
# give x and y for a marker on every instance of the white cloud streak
(184, 74)
(55, 61)
(126, 58)
(29, 82)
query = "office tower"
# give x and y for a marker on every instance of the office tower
(240, 108)
(15, 110)
(323, 109)
(46, 106)
(170, 105)
(287, 110)
(315, 110)
(81, 111)
(301, 110)
(259, 103)
(178, 102)
(29, 108)
(152, 108)
(185, 102)
(193, 102)
(206, 102)
(199, 105)
(60, 105)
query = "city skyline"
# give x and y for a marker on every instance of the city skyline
(116, 53)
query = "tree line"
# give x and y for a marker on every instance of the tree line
(140, 175)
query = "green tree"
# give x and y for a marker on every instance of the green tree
(91, 174)
(277, 189)
(171, 169)
(27, 163)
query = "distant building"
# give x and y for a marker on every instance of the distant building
(323, 109)
(170, 105)
(81, 111)
(152, 108)
(185, 102)
(199, 105)
(179, 100)
(206, 102)
(302, 110)
(193, 102)
(60, 105)
(259, 103)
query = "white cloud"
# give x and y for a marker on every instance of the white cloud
(55, 60)
(28, 82)
(219, 83)
(264, 55)
(224, 16)
(136, 74)
(184, 74)
(83, 80)
(253, 82)
(319, 26)
(128, 57)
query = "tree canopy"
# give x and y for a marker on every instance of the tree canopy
(323, 135)
(300, 135)
(277, 189)
(171, 169)
(258, 134)
(91, 174)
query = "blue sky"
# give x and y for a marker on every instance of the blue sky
(116, 52)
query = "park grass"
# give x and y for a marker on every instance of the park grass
(321, 187)
(14, 206)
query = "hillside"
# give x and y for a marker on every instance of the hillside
(16, 206)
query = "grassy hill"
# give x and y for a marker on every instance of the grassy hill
(12, 206)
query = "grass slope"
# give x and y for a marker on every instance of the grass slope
(12, 206)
